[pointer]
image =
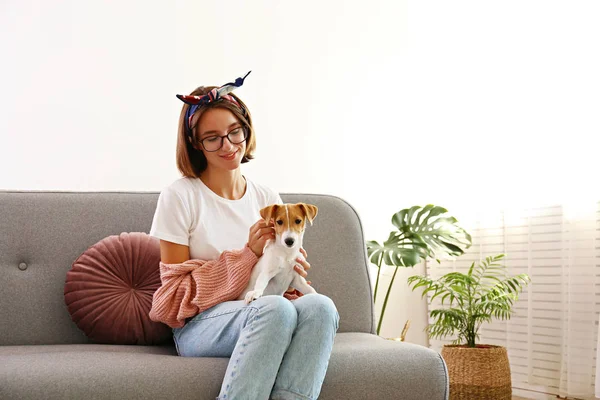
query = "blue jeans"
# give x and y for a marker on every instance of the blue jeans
(278, 349)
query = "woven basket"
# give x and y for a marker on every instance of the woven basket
(480, 372)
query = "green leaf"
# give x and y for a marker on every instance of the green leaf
(486, 292)
(442, 236)
(397, 251)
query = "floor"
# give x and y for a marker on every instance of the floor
(535, 395)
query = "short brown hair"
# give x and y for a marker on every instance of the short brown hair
(190, 159)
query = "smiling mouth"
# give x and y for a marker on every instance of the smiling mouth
(230, 156)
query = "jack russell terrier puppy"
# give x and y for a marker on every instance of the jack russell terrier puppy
(274, 272)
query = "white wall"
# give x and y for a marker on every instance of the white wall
(384, 103)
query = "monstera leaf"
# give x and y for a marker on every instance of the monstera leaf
(442, 236)
(397, 251)
(423, 232)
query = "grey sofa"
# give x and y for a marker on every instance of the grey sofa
(43, 355)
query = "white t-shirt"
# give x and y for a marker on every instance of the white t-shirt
(189, 213)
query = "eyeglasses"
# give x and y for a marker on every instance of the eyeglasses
(214, 143)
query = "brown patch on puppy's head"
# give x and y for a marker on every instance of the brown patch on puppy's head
(310, 211)
(268, 212)
(289, 219)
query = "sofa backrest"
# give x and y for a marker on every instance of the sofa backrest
(43, 232)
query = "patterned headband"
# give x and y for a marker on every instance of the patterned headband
(214, 95)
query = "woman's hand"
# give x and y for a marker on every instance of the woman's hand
(259, 233)
(301, 269)
(304, 266)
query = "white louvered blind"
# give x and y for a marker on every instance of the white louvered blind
(551, 339)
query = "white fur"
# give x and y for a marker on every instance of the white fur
(274, 272)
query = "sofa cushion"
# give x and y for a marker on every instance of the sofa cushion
(109, 290)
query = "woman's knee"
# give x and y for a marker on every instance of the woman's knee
(277, 309)
(319, 305)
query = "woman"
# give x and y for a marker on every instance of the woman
(211, 236)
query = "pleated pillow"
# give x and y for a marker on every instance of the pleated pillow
(109, 290)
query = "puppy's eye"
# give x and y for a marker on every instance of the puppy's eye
(279, 222)
(298, 221)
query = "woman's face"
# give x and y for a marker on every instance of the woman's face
(214, 124)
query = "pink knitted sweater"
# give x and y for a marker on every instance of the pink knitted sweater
(191, 287)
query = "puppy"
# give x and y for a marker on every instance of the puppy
(274, 272)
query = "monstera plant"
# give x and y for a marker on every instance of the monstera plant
(422, 233)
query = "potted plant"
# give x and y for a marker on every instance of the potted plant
(422, 233)
(476, 371)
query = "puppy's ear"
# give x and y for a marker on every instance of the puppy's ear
(309, 211)
(268, 212)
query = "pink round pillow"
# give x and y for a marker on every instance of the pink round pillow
(109, 290)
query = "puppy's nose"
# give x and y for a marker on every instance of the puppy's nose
(289, 242)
